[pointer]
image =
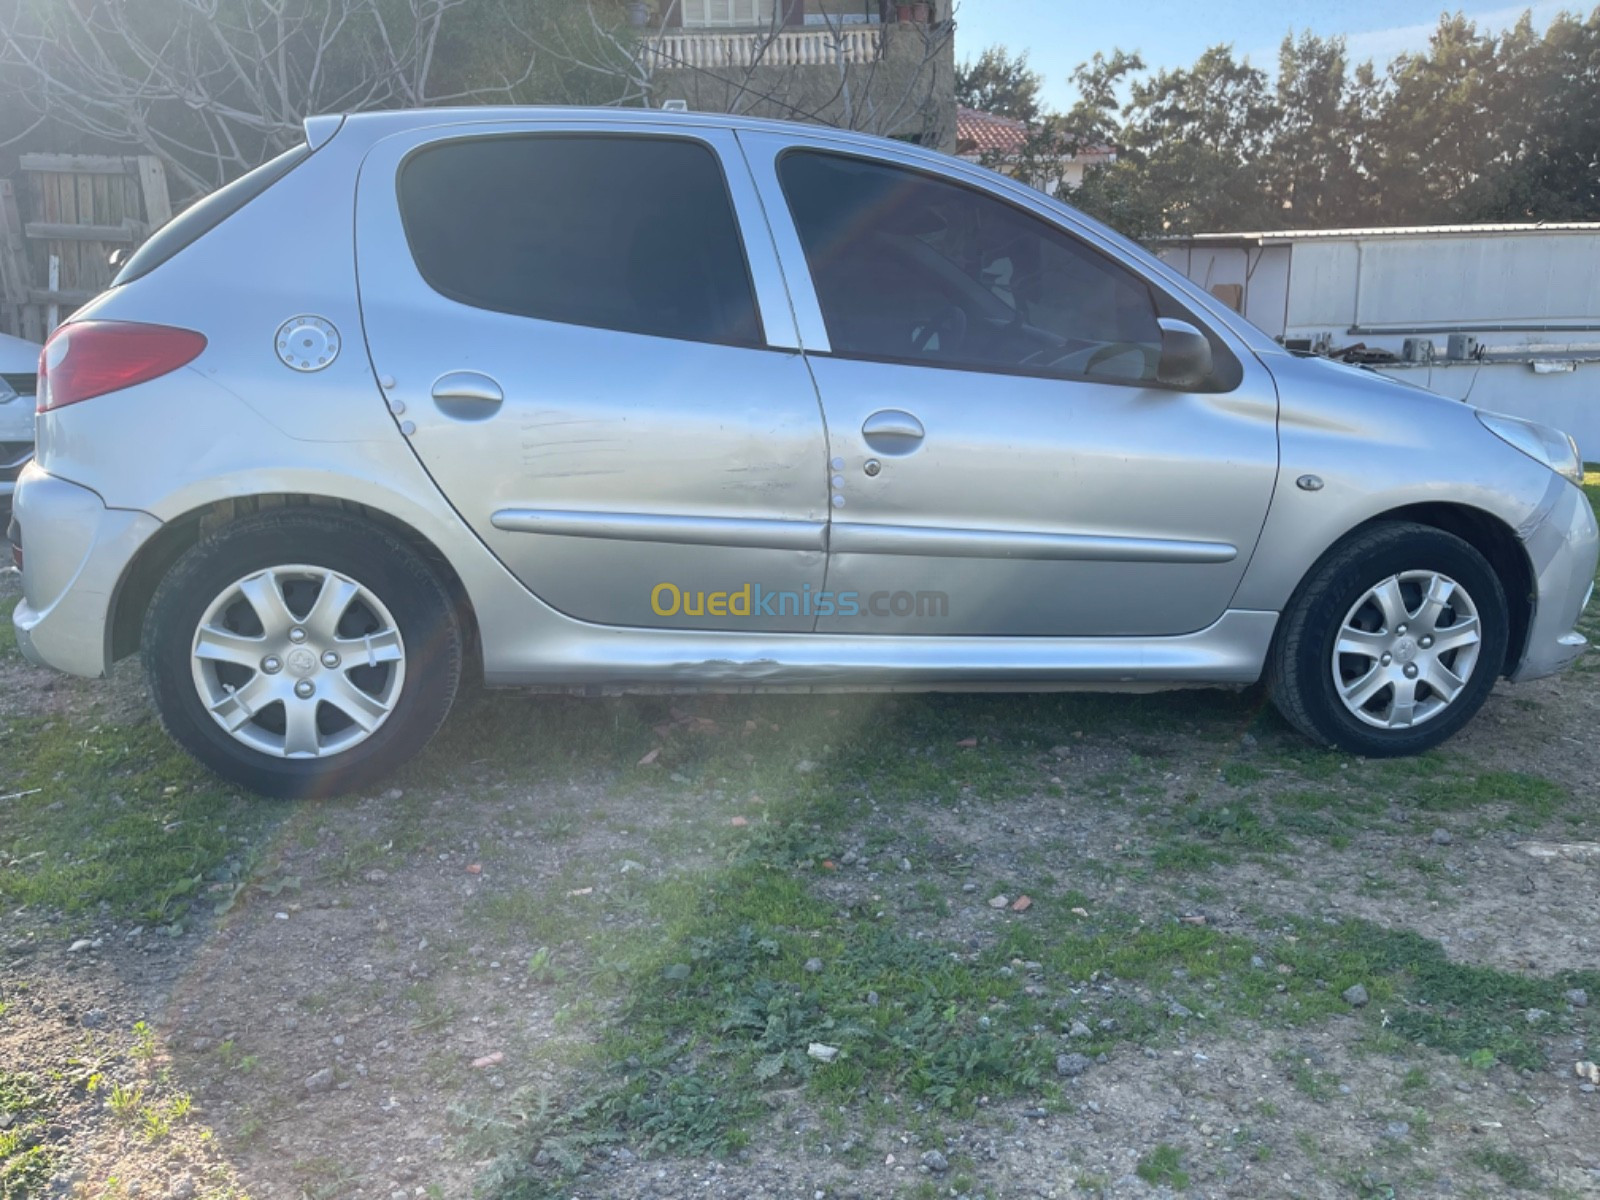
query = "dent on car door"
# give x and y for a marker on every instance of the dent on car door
(596, 374)
(1009, 461)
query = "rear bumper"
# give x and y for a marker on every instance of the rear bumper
(1563, 547)
(75, 551)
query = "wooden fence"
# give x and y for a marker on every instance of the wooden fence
(60, 222)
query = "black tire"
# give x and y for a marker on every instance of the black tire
(415, 597)
(1300, 672)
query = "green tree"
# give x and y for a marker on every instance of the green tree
(1548, 167)
(1441, 125)
(998, 82)
(1198, 140)
(1311, 161)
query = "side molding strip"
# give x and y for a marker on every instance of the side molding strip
(750, 533)
(846, 538)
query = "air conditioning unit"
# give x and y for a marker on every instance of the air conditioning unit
(1417, 350)
(674, 106)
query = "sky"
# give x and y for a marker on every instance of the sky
(1059, 34)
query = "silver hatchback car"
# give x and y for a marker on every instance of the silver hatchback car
(633, 401)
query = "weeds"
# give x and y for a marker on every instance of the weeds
(1163, 1166)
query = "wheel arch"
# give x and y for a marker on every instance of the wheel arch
(1490, 537)
(155, 558)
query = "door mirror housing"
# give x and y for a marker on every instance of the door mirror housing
(1185, 355)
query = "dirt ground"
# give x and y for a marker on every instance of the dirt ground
(396, 994)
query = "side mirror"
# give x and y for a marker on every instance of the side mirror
(1185, 355)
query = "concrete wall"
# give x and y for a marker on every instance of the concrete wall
(908, 92)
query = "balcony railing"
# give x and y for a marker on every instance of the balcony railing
(787, 48)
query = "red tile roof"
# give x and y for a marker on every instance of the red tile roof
(981, 133)
(986, 133)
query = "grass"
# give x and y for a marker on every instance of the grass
(1509, 1168)
(27, 1160)
(711, 1005)
(1163, 1166)
(118, 820)
(8, 635)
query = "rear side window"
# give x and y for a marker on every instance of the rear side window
(628, 233)
(204, 215)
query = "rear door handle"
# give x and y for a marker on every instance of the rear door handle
(467, 395)
(891, 431)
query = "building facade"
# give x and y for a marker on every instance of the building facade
(869, 65)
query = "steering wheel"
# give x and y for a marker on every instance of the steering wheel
(950, 327)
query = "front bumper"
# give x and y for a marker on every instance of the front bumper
(1563, 545)
(75, 551)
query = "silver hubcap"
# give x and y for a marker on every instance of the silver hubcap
(298, 662)
(1406, 649)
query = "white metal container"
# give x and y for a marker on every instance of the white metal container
(1523, 302)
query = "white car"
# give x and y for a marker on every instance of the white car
(19, 369)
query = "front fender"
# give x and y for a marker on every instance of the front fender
(1376, 446)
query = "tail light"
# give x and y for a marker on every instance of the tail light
(86, 359)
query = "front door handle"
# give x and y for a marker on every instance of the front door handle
(891, 431)
(467, 395)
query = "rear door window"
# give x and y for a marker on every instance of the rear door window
(635, 234)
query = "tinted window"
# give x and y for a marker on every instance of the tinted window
(634, 234)
(206, 214)
(910, 268)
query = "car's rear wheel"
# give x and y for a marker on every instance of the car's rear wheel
(299, 652)
(1392, 643)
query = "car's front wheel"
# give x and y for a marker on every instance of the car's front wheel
(302, 652)
(1392, 643)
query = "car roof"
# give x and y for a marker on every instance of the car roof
(381, 123)
(17, 357)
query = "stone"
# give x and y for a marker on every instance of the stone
(320, 1081)
(1070, 1066)
(1441, 837)
(1356, 996)
(821, 1052)
(935, 1162)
